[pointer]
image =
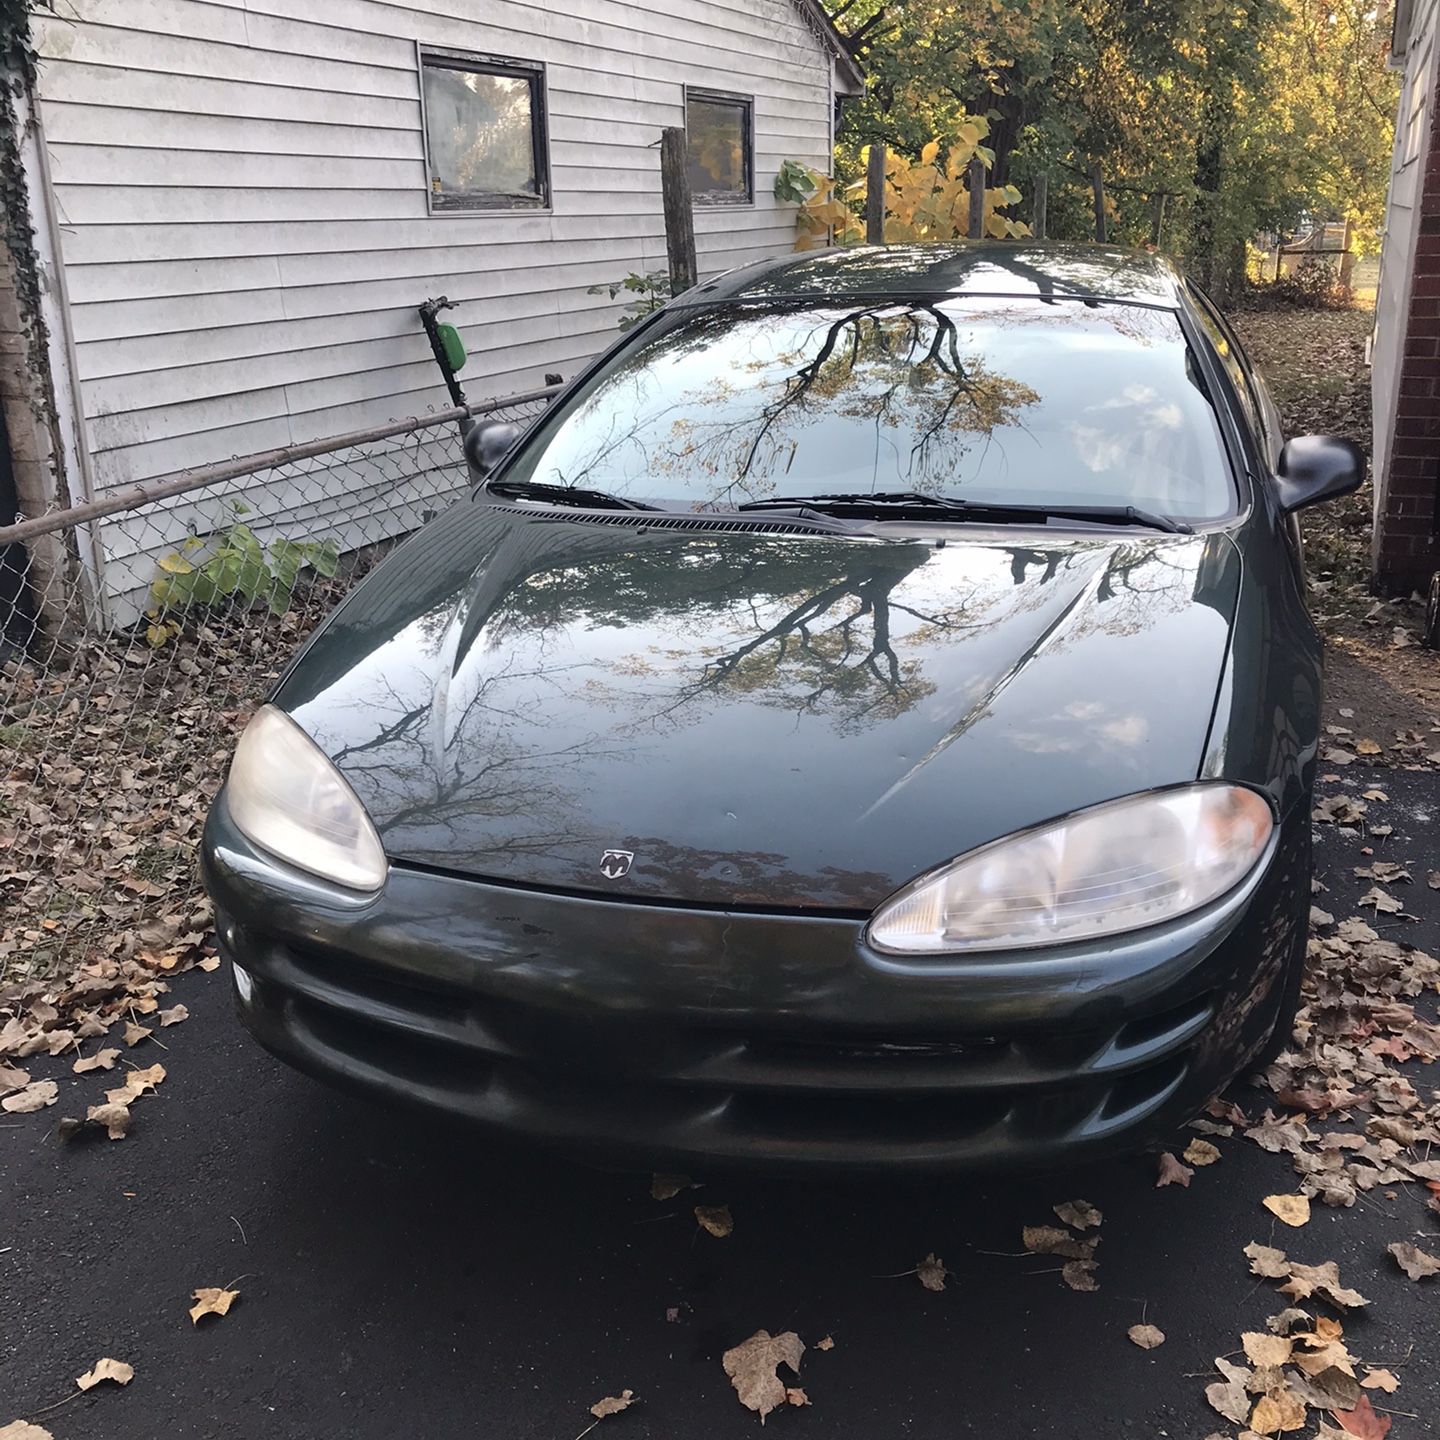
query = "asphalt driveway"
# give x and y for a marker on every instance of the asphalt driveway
(401, 1278)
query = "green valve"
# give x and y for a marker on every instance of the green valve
(453, 346)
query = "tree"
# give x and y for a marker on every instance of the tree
(1245, 114)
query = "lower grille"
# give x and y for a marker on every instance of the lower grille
(783, 1089)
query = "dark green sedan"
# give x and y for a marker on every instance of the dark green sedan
(869, 720)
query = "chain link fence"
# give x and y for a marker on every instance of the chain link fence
(137, 635)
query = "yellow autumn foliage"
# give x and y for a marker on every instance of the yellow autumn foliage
(925, 199)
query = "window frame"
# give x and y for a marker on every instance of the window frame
(479, 202)
(724, 199)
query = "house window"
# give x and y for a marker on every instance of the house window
(484, 132)
(717, 131)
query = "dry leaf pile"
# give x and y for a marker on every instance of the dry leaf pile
(109, 757)
(1346, 1112)
(1297, 1365)
(104, 996)
(1076, 1250)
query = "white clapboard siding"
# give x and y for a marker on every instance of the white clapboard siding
(242, 204)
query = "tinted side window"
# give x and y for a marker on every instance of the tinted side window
(1233, 359)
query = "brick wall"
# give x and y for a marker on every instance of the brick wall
(1406, 547)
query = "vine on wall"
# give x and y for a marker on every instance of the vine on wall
(18, 78)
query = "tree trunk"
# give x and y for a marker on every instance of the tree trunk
(1157, 217)
(1038, 203)
(1097, 186)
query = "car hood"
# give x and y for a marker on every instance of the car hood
(763, 718)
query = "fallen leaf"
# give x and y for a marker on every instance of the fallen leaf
(1229, 1397)
(216, 1301)
(1147, 1337)
(1381, 901)
(137, 1082)
(667, 1187)
(209, 963)
(1201, 1152)
(173, 1016)
(1367, 747)
(35, 1096)
(1228, 1111)
(1330, 1389)
(1080, 1214)
(932, 1272)
(1413, 1261)
(1324, 1281)
(106, 1369)
(1266, 1349)
(1172, 1172)
(1050, 1240)
(1286, 1321)
(751, 1367)
(794, 1395)
(100, 1060)
(1391, 1127)
(115, 1119)
(610, 1405)
(715, 1220)
(1381, 1380)
(24, 1430)
(1291, 1209)
(1080, 1274)
(1363, 1421)
(1267, 1262)
(12, 1078)
(134, 1033)
(828, 1343)
(1278, 1412)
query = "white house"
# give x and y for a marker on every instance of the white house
(238, 204)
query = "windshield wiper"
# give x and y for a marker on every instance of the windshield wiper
(565, 495)
(893, 504)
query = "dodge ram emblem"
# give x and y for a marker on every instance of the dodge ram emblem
(616, 863)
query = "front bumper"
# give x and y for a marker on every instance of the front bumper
(679, 1035)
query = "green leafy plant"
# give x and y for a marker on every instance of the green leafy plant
(207, 571)
(652, 290)
(795, 183)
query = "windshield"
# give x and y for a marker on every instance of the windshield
(999, 401)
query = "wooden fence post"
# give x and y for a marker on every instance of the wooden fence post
(679, 212)
(1097, 184)
(1038, 204)
(977, 198)
(1347, 255)
(875, 195)
(1157, 216)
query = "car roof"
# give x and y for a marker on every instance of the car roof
(1050, 270)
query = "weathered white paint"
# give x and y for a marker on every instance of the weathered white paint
(1416, 49)
(241, 198)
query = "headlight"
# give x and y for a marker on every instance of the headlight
(1117, 867)
(286, 796)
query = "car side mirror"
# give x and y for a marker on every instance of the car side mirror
(1314, 468)
(487, 444)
